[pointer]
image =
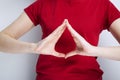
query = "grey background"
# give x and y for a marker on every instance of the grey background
(22, 66)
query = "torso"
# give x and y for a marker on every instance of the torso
(85, 16)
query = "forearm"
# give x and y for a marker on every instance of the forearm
(109, 52)
(11, 45)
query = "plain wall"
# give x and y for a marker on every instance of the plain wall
(22, 66)
(17, 66)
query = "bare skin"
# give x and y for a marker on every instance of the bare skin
(9, 42)
(46, 46)
(82, 46)
(86, 49)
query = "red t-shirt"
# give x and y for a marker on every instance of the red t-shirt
(88, 18)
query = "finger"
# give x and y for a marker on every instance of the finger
(87, 54)
(73, 53)
(79, 40)
(74, 34)
(57, 54)
(72, 31)
(56, 34)
(52, 39)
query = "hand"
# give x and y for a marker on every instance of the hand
(82, 46)
(47, 45)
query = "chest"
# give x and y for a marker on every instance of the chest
(84, 17)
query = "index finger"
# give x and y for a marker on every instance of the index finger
(77, 37)
(55, 35)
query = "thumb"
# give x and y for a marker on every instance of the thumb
(58, 54)
(73, 53)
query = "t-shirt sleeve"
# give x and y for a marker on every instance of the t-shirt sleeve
(112, 14)
(32, 12)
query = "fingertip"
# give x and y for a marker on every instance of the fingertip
(65, 21)
(66, 57)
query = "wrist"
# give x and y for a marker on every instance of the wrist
(98, 51)
(95, 51)
(32, 47)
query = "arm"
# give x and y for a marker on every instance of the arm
(9, 36)
(111, 52)
(86, 49)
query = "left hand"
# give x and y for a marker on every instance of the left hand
(82, 46)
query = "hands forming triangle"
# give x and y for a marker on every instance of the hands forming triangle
(47, 45)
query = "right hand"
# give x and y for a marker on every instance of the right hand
(47, 45)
